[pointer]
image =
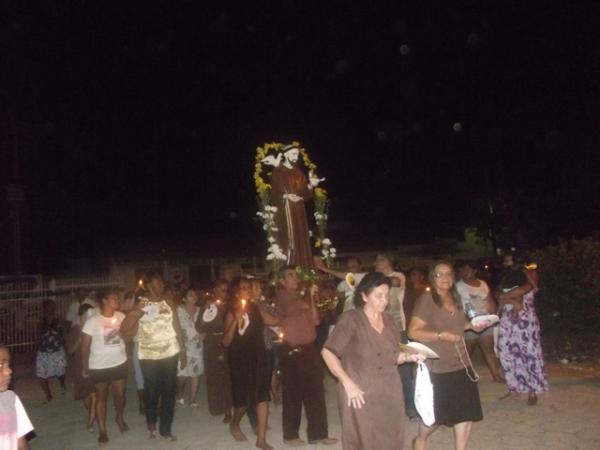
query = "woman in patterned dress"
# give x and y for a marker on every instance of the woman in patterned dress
(51, 359)
(519, 344)
(188, 314)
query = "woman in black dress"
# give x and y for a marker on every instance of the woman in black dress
(248, 364)
(211, 323)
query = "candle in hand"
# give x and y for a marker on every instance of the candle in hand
(243, 303)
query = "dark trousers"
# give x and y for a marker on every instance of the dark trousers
(160, 382)
(302, 384)
(406, 371)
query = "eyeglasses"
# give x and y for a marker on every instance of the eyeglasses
(443, 275)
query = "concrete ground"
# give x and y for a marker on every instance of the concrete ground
(565, 418)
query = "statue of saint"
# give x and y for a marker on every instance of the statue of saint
(289, 192)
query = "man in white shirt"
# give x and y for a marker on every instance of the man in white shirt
(384, 264)
(81, 299)
(353, 266)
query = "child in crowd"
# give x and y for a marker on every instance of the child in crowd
(14, 422)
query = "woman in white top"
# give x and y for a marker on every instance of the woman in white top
(188, 316)
(476, 292)
(104, 358)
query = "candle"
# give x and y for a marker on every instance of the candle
(218, 302)
(243, 303)
(281, 335)
(428, 289)
(140, 283)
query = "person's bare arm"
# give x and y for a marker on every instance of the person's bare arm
(355, 396)
(129, 326)
(267, 318)
(420, 331)
(86, 344)
(22, 443)
(178, 333)
(314, 311)
(319, 264)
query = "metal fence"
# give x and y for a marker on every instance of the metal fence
(21, 309)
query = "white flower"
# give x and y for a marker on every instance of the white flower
(271, 160)
(271, 239)
(326, 242)
(310, 233)
(274, 251)
(325, 253)
(313, 179)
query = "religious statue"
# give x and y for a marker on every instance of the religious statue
(289, 192)
(283, 196)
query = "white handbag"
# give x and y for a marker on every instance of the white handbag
(424, 395)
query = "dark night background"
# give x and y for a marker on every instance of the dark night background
(144, 118)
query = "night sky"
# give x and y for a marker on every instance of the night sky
(145, 117)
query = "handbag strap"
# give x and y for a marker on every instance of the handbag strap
(474, 379)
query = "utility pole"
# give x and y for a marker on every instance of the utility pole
(15, 191)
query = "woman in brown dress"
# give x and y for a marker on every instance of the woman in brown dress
(211, 323)
(439, 322)
(363, 353)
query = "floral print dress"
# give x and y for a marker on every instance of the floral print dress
(193, 344)
(520, 349)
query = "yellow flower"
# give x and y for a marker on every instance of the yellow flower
(318, 243)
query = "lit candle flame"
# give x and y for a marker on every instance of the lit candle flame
(428, 289)
(243, 303)
(281, 335)
(140, 282)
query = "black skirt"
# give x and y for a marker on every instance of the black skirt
(115, 373)
(455, 398)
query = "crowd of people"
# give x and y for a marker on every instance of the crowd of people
(254, 340)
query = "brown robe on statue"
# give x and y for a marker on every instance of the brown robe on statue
(290, 218)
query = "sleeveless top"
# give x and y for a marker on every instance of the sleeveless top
(156, 334)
